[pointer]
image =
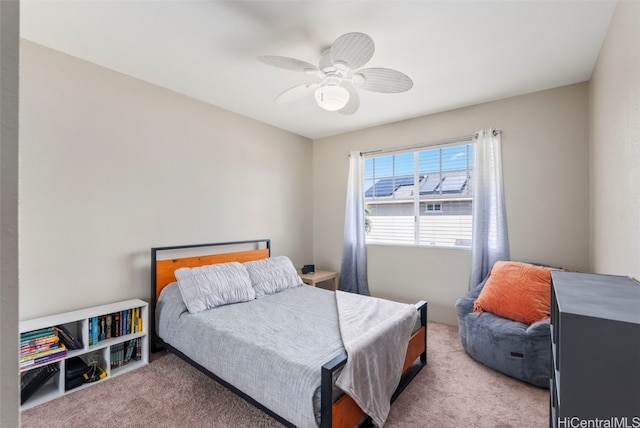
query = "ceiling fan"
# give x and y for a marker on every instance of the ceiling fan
(340, 76)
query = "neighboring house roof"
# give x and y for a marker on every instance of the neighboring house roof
(388, 186)
(454, 184)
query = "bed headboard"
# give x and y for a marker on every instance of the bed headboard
(162, 269)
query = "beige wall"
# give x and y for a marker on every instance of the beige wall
(79, 240)
(111, 166)
(615, 147)
(9, 82)
(545, 164)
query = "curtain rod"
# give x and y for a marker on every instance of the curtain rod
(430, 144)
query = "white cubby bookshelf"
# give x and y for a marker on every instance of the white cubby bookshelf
(77, 322)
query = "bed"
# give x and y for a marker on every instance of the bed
(282, 352)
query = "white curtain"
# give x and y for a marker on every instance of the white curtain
(353, 272)
(490, 242)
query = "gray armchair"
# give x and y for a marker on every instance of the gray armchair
(518, 350)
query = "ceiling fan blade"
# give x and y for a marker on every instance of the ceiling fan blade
(385, 80)
(295, 93)
(288, 63)
(354, 101)
(354, 49)
(325, 59)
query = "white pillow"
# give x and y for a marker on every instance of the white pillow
(271, 275)
(210, 286)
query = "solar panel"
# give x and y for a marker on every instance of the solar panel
(387, 186)
(453, 183)
(403, 181)
(430, 184)
(383, 187)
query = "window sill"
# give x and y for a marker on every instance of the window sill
(400, 244)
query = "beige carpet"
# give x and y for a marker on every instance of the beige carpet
(451, 391)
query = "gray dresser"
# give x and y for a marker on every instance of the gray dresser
(595, 349)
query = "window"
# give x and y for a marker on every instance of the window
(434, 207)
(420, 197)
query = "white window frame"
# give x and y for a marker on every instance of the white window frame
(439, 228)
(434, 207)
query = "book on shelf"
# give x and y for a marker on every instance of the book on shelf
(34, 379)
(41, 352)
(70, 341)
(40, 346)
(116, 358)
(27, 349)
(138, 355)
(36, 334)
(51, 337)
(131, 346)
(44, 340)
(94, 330)
(102, 328)
(36, 360)
(114, 325)
(109, 325)
(123, 353)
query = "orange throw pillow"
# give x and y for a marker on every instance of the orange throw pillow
(517, 291)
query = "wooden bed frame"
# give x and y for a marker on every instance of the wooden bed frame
(342, 413)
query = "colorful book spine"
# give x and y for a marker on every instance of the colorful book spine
(117, 325)
(40, 341)
(40, 346)
(121, 353)
(26, 354)
(139, 320)
(131, 346)
(95, 330)
(35, 334)
(90, 332)
(71, 341)
(109, 326)
(52, 350)
(102, 325)
(44, 359)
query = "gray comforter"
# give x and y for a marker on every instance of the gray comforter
(264, 347)
(375, 333)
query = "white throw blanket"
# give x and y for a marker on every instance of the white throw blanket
(375, 334)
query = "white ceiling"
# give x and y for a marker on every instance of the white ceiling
(458, 53)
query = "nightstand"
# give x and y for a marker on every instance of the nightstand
(319, 276)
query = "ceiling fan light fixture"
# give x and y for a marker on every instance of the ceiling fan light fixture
(339, 75)
(332, 98)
